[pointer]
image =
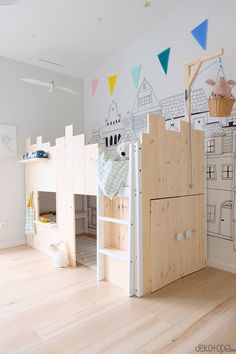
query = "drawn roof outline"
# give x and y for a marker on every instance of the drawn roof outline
(113, 112)
(174, 106)
(145, 85)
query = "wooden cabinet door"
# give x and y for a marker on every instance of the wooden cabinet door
(165, 249)
(193, 249)
(171, 258)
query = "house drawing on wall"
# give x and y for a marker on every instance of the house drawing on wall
(146, 99)
(96, 134)
(220, 176)
(129, 128)
(117, 129)
(173, 108)
(114, 126)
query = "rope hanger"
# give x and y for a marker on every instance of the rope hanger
(221, 68)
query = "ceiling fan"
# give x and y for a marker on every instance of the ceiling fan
(50, 85)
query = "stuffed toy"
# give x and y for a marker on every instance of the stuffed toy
(123, 150)
(221, 87)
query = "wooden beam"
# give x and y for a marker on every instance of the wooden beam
(211, 55)
(191, 69)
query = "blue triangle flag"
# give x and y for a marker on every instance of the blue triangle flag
(135, 72)
(164, 59)
(200, 34)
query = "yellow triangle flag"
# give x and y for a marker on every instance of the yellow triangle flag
(112, 83)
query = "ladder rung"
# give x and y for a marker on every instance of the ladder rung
(113, 220)
(115, 253)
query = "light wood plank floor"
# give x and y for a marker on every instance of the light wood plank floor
(86, 250)
(45, 310)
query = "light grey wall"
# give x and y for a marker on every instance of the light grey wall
(34, 113)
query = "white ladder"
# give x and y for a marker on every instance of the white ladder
(104, 250)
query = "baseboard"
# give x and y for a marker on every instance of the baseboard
(9, 244)
(222, 266)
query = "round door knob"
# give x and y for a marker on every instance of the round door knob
(179, 236)
(188, 234)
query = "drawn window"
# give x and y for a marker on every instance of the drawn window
(115, 140)
(211, 213)
(227, 171)
(106, 141)
(143, 101)
(119, 136)
(211, 172)
(211, 145)
(111, 140)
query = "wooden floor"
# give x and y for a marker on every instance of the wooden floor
(45, 310)
(86, 250)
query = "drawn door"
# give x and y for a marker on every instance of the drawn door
(225, 225)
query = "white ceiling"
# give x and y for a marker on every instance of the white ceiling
(69, 32)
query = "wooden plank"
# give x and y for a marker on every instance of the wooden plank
(172, 258)
(208, 56)
(116, 272)
(90, 169)
(78, 164)
(62, 198)
(70, 200)
(193, 251)
(166, 222)
(165, 157)
(117, 208)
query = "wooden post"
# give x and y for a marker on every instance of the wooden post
(191, 70)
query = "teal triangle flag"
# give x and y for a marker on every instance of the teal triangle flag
(164, 59)
(135, 72)
(200, 34)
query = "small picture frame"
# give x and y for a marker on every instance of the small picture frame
(8, 141)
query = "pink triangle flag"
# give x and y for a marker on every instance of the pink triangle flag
(94, 85)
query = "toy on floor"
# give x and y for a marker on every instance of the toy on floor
(59, 257)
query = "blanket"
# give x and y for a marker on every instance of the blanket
(112, 173)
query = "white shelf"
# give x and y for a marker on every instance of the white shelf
(33, 160)
(46, 224)
(113, 220)
(114, 252)
(124, 192)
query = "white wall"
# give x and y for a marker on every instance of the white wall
(173, 31)
(35, 113)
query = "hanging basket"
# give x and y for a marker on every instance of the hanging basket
(220, 106)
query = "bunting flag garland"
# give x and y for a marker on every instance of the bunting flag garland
(200, 34)
(94, 85)
(112, 83)
(135, 72)
(164, 59)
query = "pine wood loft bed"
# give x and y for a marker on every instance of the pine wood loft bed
(153, 232)
(69, 170)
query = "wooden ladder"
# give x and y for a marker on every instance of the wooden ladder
(104, 249)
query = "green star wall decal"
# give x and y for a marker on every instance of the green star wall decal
(147, 4)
